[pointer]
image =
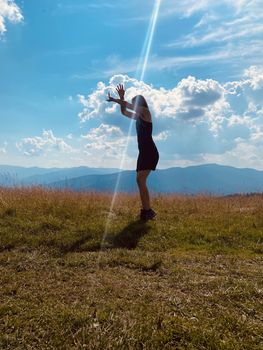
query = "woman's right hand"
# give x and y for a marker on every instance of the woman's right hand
(120, 91)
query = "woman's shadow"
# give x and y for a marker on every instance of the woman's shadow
(129, 237)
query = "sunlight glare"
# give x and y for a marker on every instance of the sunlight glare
(141, 69)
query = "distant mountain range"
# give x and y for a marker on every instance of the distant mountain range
(20, 176)
(209, 178)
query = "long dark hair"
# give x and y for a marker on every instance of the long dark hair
(139, 100)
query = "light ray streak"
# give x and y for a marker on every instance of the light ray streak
(140, 72)
(144, 58)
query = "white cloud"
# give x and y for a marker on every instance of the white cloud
(195, 121)
(244, 154)
(247, 93)
(107, 139)
(3, 149)
(255, 77)
(191, 98)
(234, 26)
(156, 63)
(9, 11)
(108, 146)
(77, 7)
(102, 131)
(187, 8)
(42, 145)
(162, 136)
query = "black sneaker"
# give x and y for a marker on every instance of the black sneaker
(143, 214)
(151, 214)
(147, 214)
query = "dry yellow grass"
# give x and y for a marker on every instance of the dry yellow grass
(191, 279)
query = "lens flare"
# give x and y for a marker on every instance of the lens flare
(140, 72)
(148, 42)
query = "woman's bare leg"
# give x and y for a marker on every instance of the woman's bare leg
(144, 193)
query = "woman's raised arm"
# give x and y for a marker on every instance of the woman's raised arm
(121, 93)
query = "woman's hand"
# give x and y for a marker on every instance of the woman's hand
(120, 91)
(110, 98)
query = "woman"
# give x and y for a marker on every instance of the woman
(148, 153)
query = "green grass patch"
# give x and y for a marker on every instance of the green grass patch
(73, 277)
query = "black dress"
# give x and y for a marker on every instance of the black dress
(148, 153)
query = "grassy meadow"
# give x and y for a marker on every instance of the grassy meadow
(190, 279)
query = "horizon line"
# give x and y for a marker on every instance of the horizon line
(118, 169)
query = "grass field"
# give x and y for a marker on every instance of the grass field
(191, 279)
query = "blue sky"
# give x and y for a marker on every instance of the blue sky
(203, 82)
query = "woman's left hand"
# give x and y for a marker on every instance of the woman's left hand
(110, 98)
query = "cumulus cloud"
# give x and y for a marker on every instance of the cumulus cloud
(9, 11)
(102, 131)
(190, 99)
(107, 146)
(255, 77)
(244, 154)
(247, 93)
(108, 139)
(193, 121)
(42, 145)
(162, 136)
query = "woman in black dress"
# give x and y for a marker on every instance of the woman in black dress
(148, 154)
